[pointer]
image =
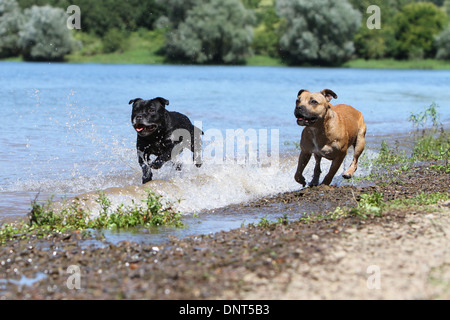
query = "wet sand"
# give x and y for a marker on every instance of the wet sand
(327, 259)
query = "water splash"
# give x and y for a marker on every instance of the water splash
(210, 187)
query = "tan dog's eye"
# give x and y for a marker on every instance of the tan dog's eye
(314, 102)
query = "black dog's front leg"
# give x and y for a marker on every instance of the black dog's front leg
(162, 159)
(147, 174)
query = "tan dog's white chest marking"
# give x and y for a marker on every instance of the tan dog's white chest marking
(329, 132)
(328, 150)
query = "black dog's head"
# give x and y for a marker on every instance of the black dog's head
(148, 116)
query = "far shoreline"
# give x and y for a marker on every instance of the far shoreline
(126, 58)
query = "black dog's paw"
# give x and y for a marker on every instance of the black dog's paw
(157, 164)
(146, 180)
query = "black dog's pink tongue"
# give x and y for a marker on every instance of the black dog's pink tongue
(139, 129)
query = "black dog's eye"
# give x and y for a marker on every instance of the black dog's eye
(152, 110)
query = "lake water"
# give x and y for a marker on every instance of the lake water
(65, 128)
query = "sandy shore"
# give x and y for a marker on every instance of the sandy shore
(402, 255)
(407, 258)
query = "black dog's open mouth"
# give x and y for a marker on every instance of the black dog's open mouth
(143, 129)
(305, 121)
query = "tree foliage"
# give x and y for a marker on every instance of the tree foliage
(267, 37)
(176, 11)
(388, 7)
(443, 45)
(45, 35)
(99, 17)
(318, 32)
(216, 31)
(114, 40)
(377, 43)
(11, 20)
(416, 26)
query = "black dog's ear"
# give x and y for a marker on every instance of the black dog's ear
(134, 101)
(301, 91)
(329, 94)
(163, 101)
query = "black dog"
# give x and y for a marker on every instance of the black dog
(163, 134)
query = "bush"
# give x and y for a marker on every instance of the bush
(100, 16)
(416, 26)
(216, 32)
(11, 20)
(266, 39)
(92, 44)
(443, 45)
(45, 36)
(114, 40)
(374, 44)
(153, 211)
(45, 220)
(378, 43)
(434, 144)
(176, 11)
(318, 32)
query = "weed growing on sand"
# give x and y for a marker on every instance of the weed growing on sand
(420, 120)
(422, 199)
(264, 222)
(431, 143)
(369, 205)
(373, 205)
(283, 219)
(44, 220)
(151, 212)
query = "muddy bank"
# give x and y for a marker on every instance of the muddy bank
(325, 259)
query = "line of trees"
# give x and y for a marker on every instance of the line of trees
(320, 32)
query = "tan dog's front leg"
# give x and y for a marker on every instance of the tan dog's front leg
(335, 165)
(302, 162)
(317, 171)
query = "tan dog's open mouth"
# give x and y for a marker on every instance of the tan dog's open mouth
(305, 121)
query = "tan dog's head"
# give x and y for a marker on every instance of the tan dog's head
(311, 107)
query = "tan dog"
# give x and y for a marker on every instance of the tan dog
(329, 132)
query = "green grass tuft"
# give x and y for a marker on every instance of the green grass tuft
(44, 220)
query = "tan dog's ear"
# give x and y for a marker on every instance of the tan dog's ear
(329, 94)
(301, 91)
